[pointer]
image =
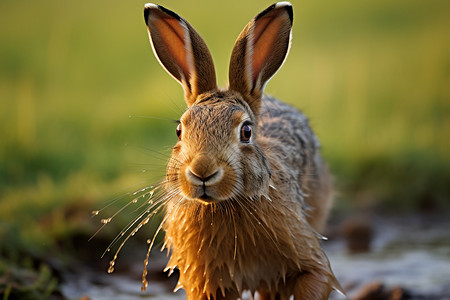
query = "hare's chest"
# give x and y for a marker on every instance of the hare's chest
(228, 251)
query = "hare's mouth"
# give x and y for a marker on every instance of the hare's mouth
(203, 194)
(206, 199)
(207, 187)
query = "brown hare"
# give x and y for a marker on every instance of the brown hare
(247, 191)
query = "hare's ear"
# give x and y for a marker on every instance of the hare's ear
(259, 52)
(181, 51)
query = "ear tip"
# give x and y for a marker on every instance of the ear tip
(158, 8)
(288, 6)
(283, 3)
(150, 5)
(147, 8)
(279, 5)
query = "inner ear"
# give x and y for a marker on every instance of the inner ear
(267, 32)
(259, 52)
(181, 51)
(170, 40)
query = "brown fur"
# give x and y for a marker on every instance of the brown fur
(243, 214)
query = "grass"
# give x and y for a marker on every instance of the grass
(78, 82)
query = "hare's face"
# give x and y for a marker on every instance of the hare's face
(217, 157)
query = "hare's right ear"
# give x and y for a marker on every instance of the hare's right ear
(181, 51)
(259, 52)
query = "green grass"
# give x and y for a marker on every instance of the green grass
(77, 77)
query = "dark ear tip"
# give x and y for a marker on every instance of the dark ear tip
(290, 11)
(158, 8)
(147, 8)
(286, 5)
(169, 12)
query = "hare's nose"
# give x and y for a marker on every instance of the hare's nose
(203, 170)
(198, 178)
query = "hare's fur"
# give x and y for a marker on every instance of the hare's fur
(243, 214)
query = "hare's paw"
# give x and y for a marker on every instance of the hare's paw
(312, 286)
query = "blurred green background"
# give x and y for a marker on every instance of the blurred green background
(86, 110)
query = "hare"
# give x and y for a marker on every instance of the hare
(247, 189)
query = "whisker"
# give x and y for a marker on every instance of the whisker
(148, 211)
(106, 221)
(161, 155)
(114, 200)
(135, 220)
(152, 117)
(179, 110)
(144, 272)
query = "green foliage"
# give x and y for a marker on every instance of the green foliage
(22, 281)
(410, 182)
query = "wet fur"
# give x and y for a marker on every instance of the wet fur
(224, 248)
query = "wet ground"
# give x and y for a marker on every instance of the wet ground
(406, 258)
(412, 253)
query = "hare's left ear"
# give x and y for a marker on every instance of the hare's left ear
(259, 52)
(181, 51)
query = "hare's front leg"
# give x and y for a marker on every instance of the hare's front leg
(312, 286)
(191, 296)
(263, 295)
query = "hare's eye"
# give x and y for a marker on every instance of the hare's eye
(246, 133)
(179, 131)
